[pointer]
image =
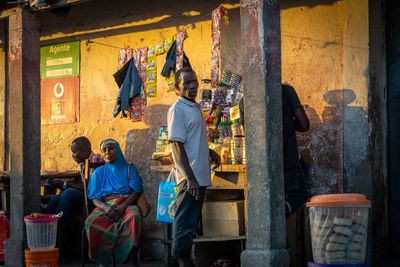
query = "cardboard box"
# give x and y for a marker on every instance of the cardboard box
(223, 218)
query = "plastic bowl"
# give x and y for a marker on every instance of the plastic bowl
(41, 232)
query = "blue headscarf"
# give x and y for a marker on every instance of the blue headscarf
(112, 178)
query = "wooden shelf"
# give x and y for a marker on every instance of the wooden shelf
(161, 168)
(203, 239)
(218, 238)
(221, 168)
(231, 168)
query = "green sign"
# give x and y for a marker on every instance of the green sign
(59, 60)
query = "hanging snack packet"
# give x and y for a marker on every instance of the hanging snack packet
(151, 63)
(136, 110)
(151, 76)
(129, 54)
(219, 14)
(219, 97)
(143, 98)
(159, 48)
(151, 51)
(170, 83)
(167, 44)
(180, 37)
(122, 56)
(142, 63)
(151, 89)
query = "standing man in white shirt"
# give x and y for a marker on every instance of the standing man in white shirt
(188, 136)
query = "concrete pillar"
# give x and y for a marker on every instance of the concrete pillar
(261, 60)
(3, 97)
(24, 86)
(379, 147)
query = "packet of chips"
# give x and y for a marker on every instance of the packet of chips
(122, 56)
(151, 89)
(151, 51)
(151, 76)
(167, 44)
(136, 110)
(170, 81)
(151, 63)
(129, 54)
(180, 37)
(159, 48)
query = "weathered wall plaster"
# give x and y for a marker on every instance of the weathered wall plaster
(357, 165)
(325, 57)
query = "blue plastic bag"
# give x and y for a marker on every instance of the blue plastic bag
(166, 204)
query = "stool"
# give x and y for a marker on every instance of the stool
(40, 257)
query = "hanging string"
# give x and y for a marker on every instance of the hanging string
(88, 41)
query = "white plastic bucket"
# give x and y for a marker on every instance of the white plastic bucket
(339, 227)
(41, 232)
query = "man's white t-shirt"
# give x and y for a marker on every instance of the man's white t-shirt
(186, 125)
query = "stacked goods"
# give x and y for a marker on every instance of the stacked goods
(162, 144)
(339, 241)
(163, 148)
(339, 225)
(238, 150)
(220, 106)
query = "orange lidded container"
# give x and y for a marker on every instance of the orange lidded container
(339, 226)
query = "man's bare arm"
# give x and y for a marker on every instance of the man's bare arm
(301, 122)
(183, 166)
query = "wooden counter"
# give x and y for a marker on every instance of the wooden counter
(225, 177)
(44, 176)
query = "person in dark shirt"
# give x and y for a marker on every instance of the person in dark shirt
(294, 119)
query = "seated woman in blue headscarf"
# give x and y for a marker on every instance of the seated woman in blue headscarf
(114, 227)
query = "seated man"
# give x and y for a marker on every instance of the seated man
(72, 194)
(71, 200)
(114, 227)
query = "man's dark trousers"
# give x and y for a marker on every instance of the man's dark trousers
(186, 221)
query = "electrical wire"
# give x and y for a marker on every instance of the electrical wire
(88, 41)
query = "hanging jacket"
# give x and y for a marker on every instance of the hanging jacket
(130, 85)
(171, 61)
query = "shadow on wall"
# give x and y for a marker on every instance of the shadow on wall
(151, 15)
(306, 3)
(323, 146)
(140, 145)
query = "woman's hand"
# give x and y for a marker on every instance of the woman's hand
(120, 211)
(111, 213)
